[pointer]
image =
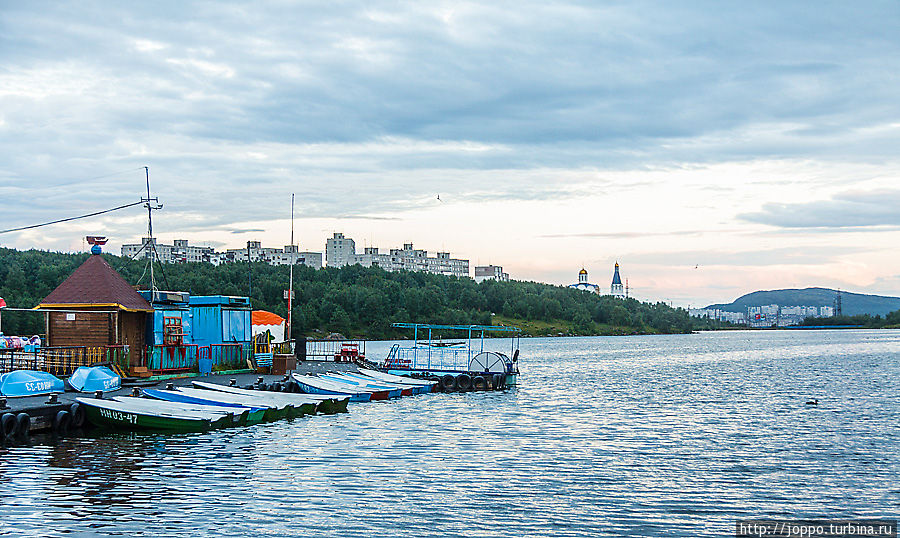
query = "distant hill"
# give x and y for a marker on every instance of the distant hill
(852, 303)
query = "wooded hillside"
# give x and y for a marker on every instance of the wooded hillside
(354, 301)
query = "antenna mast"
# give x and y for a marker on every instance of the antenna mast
(150, 208)
(291, 282)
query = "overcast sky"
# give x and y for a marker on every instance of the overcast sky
(713, 149)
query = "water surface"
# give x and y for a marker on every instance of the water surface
(608, 436)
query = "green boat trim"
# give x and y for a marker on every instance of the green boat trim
(105, 417)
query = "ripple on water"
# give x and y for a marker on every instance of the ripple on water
(640, 436)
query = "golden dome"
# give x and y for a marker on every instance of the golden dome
(583, 271)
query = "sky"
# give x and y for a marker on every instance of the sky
(711, 148)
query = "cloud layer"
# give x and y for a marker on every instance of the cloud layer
(369, 110)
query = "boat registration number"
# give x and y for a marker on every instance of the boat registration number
(118, 415)
(111, 383)
(35, 386)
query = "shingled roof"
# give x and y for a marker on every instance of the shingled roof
(95, 284)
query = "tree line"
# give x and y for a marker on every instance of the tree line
(353, 301)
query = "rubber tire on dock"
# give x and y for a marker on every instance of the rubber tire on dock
(448, 383)
(23, 424)
(463, 382)
(61, 422)
(479, 383)
(8, 425)
(77, 412)
(277, 387)
(497, 381)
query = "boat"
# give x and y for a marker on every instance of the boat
(94, 378)
(254, 416)
(315, 385)
(327, 404)
(20, 383)
(239, 415)
(468, 360)
(277, 408)
(392, 390)
(114, 414)
(406, 390)
(418, 386)
(399, 379)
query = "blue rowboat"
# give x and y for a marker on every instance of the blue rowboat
(399, 379)
(393, 392)
(29, 383)
(408, 388)
(94, 378)
(316, 385)
(181, 397)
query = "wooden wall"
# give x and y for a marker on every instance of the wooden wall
(95, 329)
(89, 329)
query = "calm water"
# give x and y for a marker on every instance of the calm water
(638, 436)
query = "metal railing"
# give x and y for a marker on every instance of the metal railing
(429, 358)
(62, 361)
(326, 350)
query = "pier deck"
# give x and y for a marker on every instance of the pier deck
(42, 413)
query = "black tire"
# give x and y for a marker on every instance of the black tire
(502, 381)
(23, 424)
(8, 425)
(61, 422)
(463, 382)
(448, 383)
(479, 383)
(277, 387)
(77, 412)
(496, 381)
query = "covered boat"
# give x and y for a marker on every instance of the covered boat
(327, 404)
(318, 385)
(29, 383)
(94, 378)
(131, 416)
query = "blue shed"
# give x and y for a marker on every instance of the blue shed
(170, 324)
(220, 319)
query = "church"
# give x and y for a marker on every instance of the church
(616, 289)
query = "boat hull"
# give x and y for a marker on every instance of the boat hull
(110, 418)
(312, 389)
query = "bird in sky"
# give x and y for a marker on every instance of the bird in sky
(439, 198)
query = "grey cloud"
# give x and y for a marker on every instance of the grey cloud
(468, 91)
(851, 209)
(800, 255)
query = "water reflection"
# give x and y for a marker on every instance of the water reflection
(606, 436)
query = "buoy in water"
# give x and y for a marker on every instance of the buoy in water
(813, 402)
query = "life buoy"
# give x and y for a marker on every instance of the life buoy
(8, 425)
(23, 424)
(479, 383)
(463, 382)
(77, 412)
(61, 422)
(448, 383)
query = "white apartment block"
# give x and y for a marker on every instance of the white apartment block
(182, 252)
(341, 251)
(767, 315)
(490, 272)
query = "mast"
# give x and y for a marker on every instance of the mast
(150, 207)
(287, 332)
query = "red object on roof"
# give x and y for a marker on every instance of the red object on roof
(95, 284)
(96, 239)
(262, 317)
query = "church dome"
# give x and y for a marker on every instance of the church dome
(583, 271)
